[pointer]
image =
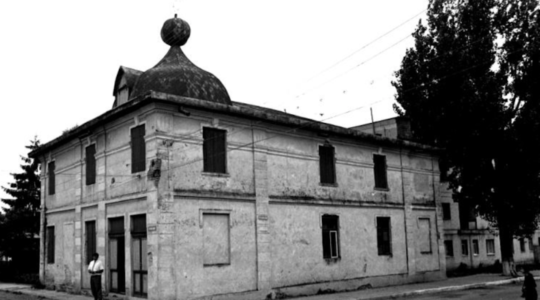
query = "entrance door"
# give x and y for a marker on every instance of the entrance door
(117, 276)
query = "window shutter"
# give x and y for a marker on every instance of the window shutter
(327, 164)
(50, 245)
(138, 149)
(380, 171)
(214, 150)
(52, 179)
(91, 164)
(90, 240)
(116, 226)
(138, 225)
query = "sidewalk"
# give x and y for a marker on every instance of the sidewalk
(451, 284)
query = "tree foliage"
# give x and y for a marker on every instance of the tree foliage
(471, 86)
(19, 225)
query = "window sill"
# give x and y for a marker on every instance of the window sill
(328, 184)
(387, 255)
(212, 174)
(381, 189)
(426, 253)
(490, 254)
(332, 260)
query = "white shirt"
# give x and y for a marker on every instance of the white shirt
(95, 266)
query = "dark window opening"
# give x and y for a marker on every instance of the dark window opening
(476, 247)
(467, 216)
(384, 242)
(91, 164)
(522, 245)
(446, 211)
(90, 240)
(214, 150)
(52, 179)
(449, 247)
(380, 171)
(464, 248)
(327, 164)
(50, 244)
(138, 149)
(490, 247)
(330, 237)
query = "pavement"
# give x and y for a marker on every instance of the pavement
(391, 292)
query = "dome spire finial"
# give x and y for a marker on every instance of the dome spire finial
(175, 32)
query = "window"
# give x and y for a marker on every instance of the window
(380, 171)
(384, 243)
(50, 244)
(91, 164)
(216, 239)
(327, 164)
(330, 236)
(490, 247)
(530, 245)
(52, 180)
(214, 150)
(138, 149)
(90, 240)
(424, 231)
(139, 253)
(449, 247)
(522, 245)
(464, 248)
(476, 248)
(446, 211)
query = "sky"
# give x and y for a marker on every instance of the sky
(328, 60)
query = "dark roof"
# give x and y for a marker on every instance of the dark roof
(130, 74)
(239, 109)
(175, 74)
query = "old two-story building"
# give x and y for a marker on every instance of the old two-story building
(186, 194)
(470, 241)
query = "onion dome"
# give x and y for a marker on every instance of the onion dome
(175, 74)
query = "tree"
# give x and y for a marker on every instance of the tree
(19, 225)
(471, 86)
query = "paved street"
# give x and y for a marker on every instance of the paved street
(502, 292)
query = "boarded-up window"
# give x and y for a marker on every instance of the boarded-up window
(330, 236)
(490, 247)
(50, 244)
(380, 171)
(327, 164)
(138, 149)
(449, 247)
(216, 239)
(424, 235)
(139, 254)
(90, 240)
(52, 179)
(384, 244)
(464, 248)
(91, 164)
(446, 211)
(214, 150)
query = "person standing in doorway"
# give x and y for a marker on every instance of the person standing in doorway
(95, 268)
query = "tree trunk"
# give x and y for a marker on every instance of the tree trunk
(507, 250)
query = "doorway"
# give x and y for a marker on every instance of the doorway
(117, 276)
